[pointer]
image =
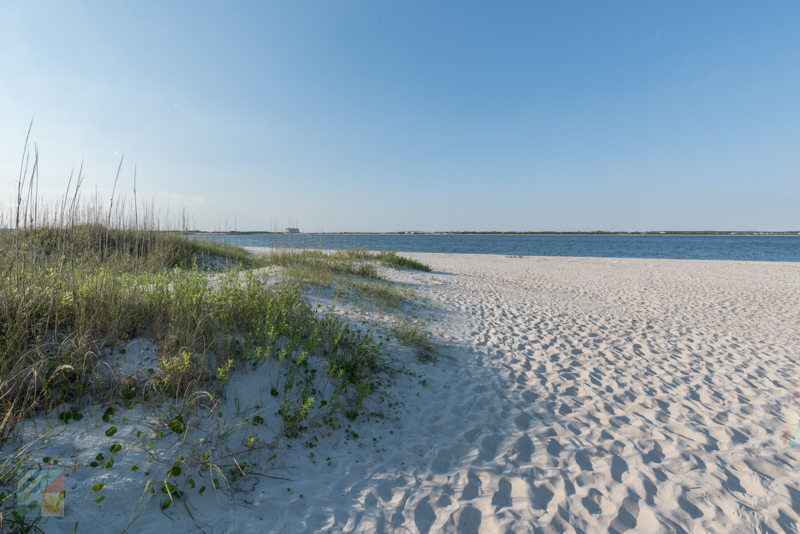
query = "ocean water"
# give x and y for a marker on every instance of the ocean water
(679, 247)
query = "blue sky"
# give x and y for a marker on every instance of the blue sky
(389, 115)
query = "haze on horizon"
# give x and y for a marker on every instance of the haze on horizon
(389, 116)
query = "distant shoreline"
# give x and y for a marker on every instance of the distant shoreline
(684, 233)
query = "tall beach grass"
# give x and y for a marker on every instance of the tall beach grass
(80, 278)
(77, 277)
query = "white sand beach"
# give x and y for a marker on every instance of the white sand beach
(574, 395)
(606, 395)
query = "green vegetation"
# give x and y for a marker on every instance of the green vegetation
(391, 258)
(68, 293)
(15, 520)
(414, 335)
(352, 272)
(78, 282)
(342, 260)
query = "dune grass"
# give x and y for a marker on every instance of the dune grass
(67, 293)
(343, 260)
(393, 259)
(413, 334)
(77, 277)
(78, 280)
(352, 271)
(337, 267)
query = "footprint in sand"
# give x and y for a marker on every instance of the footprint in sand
(554, 448)
(651, 492)
(442, 461)
(523, 421)
(523, 448)
(424, 516)
(386, 488)
(489, 448)
(502, 497)
(732, 482)
(592, 502)
(540, 496)
(584, 460)
(626, 516)
(469, 520)
(689, 507)
(618, 468)
(473, 487)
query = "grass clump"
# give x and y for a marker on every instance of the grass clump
(353, 271)
(344, 261)
(391, 258)
(15, 520)
(414, 335)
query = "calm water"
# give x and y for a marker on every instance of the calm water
(742, 248)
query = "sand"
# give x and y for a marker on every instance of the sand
(573, 395)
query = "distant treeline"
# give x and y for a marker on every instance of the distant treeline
(595, 232)
(600, 232)
(224, 233)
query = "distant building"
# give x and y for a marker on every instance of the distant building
(291, 230)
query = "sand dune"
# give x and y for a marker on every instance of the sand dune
(580, 395)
